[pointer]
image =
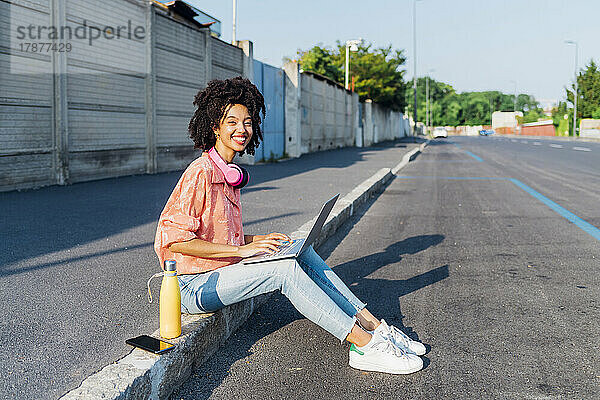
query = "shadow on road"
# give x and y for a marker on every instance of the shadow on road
(7, 271)
(355, 273)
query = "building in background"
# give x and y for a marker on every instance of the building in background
(539, 128)
(505, 122)
(589, 128)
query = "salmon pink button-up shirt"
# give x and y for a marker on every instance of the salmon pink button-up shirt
(202, 206)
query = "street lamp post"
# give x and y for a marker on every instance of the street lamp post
(233, 38)
(427, 104)
(427, 108)
(351, 45)
(576, 86)
(415, 64)
(515, 99)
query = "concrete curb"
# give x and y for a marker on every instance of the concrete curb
(143, 375)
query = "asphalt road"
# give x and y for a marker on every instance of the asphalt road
(74, 260)
(503, 289)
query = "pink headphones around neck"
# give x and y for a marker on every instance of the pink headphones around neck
(235, 175)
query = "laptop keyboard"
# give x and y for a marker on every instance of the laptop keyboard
(283, 249)
(289, 248)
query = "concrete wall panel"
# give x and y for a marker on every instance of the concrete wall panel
(24, 128)
(180, 65)
(173, 130)
(89, 165)
(273, 126)
(175, 65)
(175, 158)
(26, 101)
(226, 55)
(126, 53)
(219, 72)
(105, 89)
(227, 60)
(177, 36)
(328, 114)
(26, 171)
(102, 130)
(175, 99)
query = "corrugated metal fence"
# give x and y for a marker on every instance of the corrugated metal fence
(107, 107)
(100, 98)
(26, 104)
(269, 81)
(329, 114)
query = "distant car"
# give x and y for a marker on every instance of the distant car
(440, 132)
(486, 132)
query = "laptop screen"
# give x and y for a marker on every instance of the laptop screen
(318, 225)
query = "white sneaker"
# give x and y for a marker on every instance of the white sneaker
(402, 340)
(381, 355)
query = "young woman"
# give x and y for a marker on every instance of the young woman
(201, 229)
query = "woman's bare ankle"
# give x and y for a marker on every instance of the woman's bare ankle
(359, 336)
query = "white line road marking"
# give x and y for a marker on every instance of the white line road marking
(513, 140)
(581, 149)
(537, 144)
(556, 146)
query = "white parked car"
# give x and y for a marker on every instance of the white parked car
(440, 131)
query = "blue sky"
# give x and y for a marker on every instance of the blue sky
(471, 44)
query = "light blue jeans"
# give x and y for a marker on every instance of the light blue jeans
(310, 285)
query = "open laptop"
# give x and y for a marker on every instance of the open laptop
(297, 246)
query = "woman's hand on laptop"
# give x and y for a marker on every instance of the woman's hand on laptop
(263, 244)
(274, 235)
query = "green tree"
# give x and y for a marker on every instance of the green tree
(559, 112)
(322, 61)
(531, 116)
(379, 76)
(378, 72)
(588, 100)
(526, 102)
(476, 109)
(437, 115)
(452, 112)
(438, 91)
(471, 108)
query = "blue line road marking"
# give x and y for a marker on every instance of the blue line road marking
(469, 153)
(563, 212)
(474, 156)
(583, 225)
(447, 161)
(478, 178)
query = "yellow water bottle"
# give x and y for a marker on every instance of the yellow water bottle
(170, 302)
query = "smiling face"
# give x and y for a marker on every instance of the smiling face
(235, 131)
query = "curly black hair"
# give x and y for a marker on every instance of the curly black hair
(212, 103)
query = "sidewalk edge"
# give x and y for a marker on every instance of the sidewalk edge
(142, 375)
